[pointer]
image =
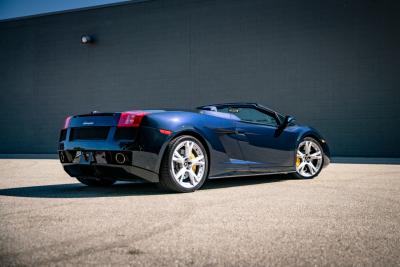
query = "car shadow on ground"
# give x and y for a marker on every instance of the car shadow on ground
(77, 190)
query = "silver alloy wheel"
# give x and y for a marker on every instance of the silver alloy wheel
(308, 158)
(188, 164)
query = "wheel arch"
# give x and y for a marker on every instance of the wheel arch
(189, 132)
(319, 139)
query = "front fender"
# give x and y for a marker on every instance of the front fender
(311, 132)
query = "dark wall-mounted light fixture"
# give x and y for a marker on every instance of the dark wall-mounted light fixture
(86, 39)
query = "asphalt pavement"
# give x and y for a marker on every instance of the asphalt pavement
(349, 215)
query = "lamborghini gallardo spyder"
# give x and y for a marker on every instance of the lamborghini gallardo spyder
(180, 150)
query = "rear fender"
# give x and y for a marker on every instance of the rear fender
(187, 131)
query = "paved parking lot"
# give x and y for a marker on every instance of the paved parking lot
(349, 215)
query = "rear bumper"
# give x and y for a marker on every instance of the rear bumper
(110, 171)
(143, 152)
(103, 164)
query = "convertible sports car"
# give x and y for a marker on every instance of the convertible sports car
(181, 149)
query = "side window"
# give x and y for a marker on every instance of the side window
(250, 115)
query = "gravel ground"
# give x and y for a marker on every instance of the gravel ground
(349, 215)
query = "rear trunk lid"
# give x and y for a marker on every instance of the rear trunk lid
(94, 126)
(95, 120)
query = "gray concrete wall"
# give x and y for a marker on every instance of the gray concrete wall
(332, 64)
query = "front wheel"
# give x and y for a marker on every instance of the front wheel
(96, 182)
(309, 159)
(185, 165)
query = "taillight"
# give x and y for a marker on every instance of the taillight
(131, 118)
(67, 121)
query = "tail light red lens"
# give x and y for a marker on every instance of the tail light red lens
(67, 121)
(131, 118)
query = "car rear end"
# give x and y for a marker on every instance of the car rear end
(112, 145)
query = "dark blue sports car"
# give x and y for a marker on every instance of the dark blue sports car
(181, 149)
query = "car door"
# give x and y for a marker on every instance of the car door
(264, 146)
(228, 158)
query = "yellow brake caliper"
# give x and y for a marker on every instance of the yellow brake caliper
(298, 161)
(191, 157)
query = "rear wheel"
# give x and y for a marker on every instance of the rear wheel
(185, 165)
(309, 159)
(94, 181)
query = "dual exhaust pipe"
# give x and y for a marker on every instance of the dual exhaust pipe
(120, 158)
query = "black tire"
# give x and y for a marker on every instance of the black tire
(95, 182)
(167, 180)
(296, 175)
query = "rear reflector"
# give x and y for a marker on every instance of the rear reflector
(131, 118)
(67, 121)
(166, 132)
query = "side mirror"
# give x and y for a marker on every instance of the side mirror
(288, 120)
